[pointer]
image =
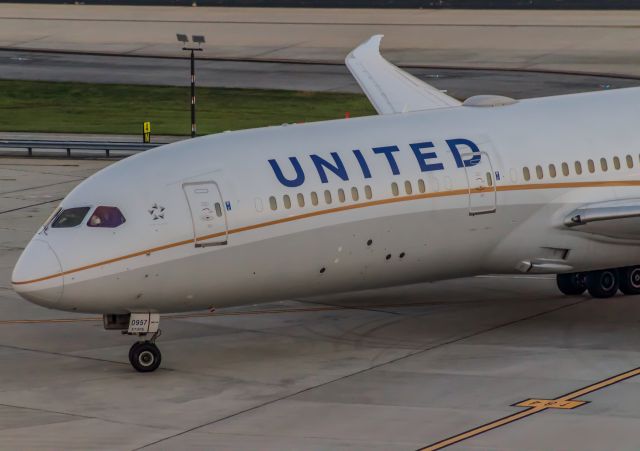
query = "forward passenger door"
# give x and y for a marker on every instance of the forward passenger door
(208, 213)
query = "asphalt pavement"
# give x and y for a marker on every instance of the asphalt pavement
(461, 83)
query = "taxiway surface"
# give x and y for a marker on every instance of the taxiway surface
(460, 83)
(430, 366)
(584, 41)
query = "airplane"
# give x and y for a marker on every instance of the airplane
(431, 188)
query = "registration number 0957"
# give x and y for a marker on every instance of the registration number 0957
(142, 323)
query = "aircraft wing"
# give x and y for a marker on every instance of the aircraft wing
(616, 219)
(390, 89)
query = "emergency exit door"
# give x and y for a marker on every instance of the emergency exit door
(208, 213)
(482, 184)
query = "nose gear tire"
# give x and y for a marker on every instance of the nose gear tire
(145, 357)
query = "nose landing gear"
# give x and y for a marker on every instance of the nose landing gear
(144, 355)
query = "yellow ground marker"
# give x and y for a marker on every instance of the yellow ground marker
(535, 406)
(551, 404)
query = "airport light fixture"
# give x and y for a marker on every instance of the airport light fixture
(196, 39)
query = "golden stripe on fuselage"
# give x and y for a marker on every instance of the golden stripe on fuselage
(456, 192)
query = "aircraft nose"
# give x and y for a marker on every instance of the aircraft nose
(37, 274)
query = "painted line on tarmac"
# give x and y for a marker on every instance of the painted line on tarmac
(41, 186)
(535, 406)
(321, 62)
(216, 314)
(376, 366)
(32, 205)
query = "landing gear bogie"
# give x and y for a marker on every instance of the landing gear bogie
(601, 284)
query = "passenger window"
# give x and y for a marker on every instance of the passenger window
(354, 193)
(616, 163)
(552, 171)
(341, 196)
(70, 217)
(578, 167)
(272, 203)
(539, 172)
(489, 179)
(314, 198)
(327, 196)
(394, 189)
(629, 161)
(526, 174)
(367, 192)
(407, 187)
(591, 166)
(106, 217)
(603, 164)
(287, 201)
(565, 169)
(300, 197)
(421, 186)
(218, 208)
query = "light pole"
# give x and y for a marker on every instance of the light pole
(197, 39)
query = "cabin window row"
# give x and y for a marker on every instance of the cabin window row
(420, 187)
(408, 187)
(326, 197)
(577, 167)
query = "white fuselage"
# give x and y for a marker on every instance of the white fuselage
(422, 231)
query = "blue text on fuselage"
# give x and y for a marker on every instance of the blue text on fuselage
(425, 153)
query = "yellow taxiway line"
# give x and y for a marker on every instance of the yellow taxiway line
(534, 406)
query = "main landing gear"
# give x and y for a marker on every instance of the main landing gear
(601, 284)
(144, 355)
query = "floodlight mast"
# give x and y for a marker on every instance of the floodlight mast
(197, 39)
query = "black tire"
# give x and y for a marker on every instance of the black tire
(572, 284)
(630, 280)
(603, 284)
(145, 357)
(133, 346)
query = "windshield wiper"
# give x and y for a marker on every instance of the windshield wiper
(54, 216)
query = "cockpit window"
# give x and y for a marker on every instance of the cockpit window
(70, 217)
(106, 217)
(50, 219)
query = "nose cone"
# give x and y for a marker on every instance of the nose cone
(37, 275)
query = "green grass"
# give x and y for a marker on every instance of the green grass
(27, 106)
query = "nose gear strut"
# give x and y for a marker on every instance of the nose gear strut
(144, 355)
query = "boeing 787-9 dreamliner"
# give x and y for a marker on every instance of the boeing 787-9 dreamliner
(431, 188)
